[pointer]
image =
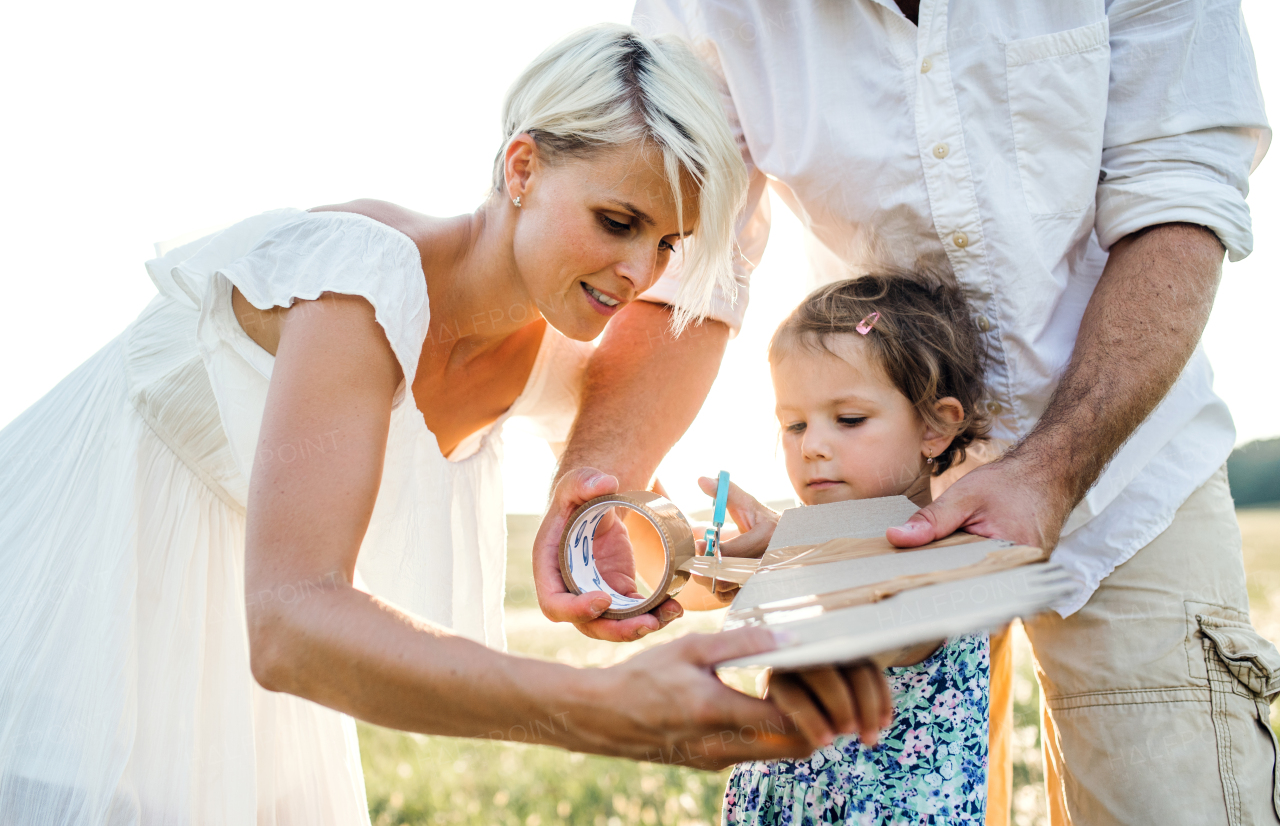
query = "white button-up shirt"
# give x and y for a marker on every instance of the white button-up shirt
(1009, 144)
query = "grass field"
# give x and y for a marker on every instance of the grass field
(1261, 530)
(419, 780)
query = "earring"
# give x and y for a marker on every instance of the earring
(929, 459)
(516, 201)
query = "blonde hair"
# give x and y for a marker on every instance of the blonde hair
(607, 86)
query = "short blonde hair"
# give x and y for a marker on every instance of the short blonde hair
(607, 86)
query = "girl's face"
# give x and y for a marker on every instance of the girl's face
(594, 233)
(847, 432)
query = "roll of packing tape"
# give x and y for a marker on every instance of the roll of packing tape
(578, 561)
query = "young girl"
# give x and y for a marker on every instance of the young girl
(879, 387)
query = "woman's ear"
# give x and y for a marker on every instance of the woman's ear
(937, 439)
(519, 164)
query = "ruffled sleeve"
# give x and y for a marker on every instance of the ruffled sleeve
(341, 252)
(274, 260)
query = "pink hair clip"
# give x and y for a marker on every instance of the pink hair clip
(865, 325)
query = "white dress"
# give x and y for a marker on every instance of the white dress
(125, 690)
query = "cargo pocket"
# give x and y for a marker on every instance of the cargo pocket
(1241, 662)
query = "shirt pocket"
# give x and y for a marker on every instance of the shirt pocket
(1057, 86)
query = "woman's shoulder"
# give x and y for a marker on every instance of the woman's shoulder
(311, 255)
(330, 250)
(439, 241)
(413, 225)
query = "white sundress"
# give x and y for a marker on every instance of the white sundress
(125, 690)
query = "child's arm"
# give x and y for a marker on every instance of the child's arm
(915, 654)
(755, 524)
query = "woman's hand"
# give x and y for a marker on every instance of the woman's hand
(614, 557)
(666, 705)
(827, 702)
(755, 525)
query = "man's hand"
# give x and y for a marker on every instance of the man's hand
(612, 550)
(1141, 326)
(1002, 500)
(643, 388)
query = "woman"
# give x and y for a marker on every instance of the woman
(184, 514)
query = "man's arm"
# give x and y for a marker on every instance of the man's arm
(643, 388)
(1138, 332)
(1185, 126)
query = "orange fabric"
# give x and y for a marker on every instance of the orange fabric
(999, 751)
(1054, 776)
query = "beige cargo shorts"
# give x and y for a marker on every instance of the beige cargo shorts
(1156, 692)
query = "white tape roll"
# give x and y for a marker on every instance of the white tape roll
(578, 562)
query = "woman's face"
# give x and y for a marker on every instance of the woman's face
(593, 233)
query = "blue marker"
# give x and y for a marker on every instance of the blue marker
(712, 535)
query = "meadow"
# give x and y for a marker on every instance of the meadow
(418, 780)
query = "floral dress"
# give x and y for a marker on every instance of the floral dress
(929, 768)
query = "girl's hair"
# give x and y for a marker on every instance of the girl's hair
(609, 86)
(924, 339)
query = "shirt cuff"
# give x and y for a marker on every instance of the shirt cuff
(1133, 204)
(724, 308)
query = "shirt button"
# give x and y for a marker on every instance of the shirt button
(941, 151)
(984, 324)
(960, 240)
(925, 66)
(995, 408)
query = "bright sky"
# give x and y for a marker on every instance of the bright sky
(126, 124)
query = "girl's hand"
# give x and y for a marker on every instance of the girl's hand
(827, 702)
(755, 523)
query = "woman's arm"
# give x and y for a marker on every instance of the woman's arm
(330, 643)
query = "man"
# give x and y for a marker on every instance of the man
(1080, 172)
